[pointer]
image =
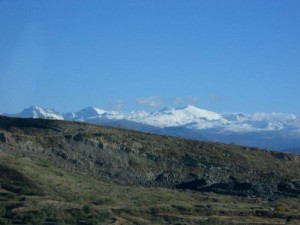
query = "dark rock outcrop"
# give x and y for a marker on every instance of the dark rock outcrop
(244, 189)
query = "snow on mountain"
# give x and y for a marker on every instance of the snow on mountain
(260, 121)
(189, 116)
(88, 113)
(69, 116)
(38, 112)
(136, 116)
(275, 121)
(267, 130)
(236, 117)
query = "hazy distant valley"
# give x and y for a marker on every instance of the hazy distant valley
(276, 131)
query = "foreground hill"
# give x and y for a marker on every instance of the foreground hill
(110, 175)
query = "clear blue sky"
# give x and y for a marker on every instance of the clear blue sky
(225, 55)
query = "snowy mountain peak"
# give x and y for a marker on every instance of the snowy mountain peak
(89, 112)
(200, 113)
(189, 107)
(93, 110)
(39, 112)
(189, 116)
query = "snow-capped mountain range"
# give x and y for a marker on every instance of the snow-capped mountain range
(277, 131)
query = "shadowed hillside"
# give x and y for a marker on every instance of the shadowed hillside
(130, 177)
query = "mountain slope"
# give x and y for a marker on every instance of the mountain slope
(87, 173)
(137, 158)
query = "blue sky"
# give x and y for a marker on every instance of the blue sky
(222, 55)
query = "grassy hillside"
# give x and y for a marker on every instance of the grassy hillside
(57, 172)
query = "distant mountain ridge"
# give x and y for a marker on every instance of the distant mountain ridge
(276, 131)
